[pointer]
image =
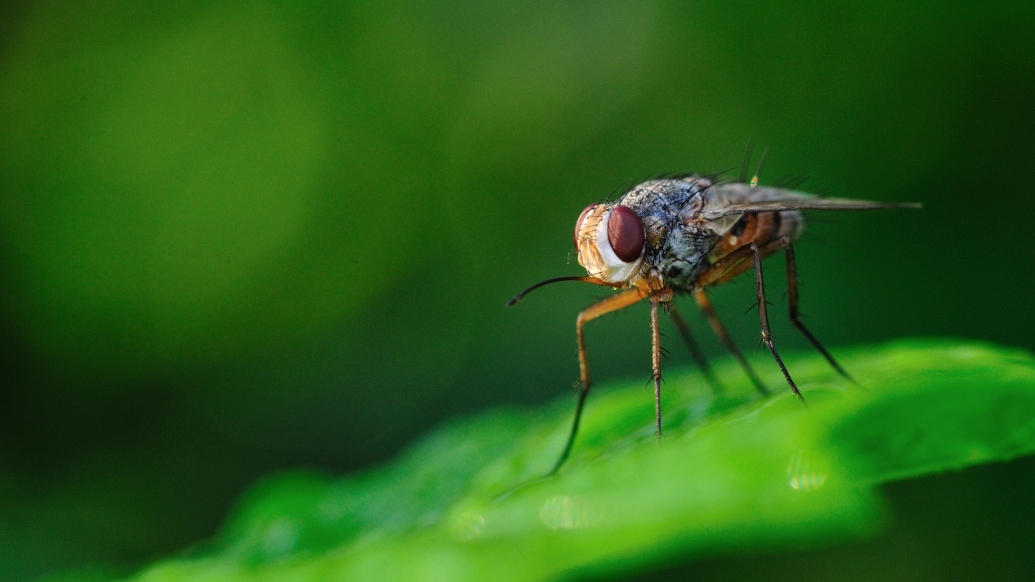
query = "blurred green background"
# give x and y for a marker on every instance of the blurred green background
(238, 237)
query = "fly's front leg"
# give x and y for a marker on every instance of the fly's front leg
(613, 303)
(693, 348)
(664, 295)
(792, 293)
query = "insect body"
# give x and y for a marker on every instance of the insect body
(684, 235)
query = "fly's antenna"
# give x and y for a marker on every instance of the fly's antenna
(742, 177)
(521, 295)
(761, 166)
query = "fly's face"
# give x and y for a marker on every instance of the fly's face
(609, 239)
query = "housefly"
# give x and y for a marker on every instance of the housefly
(684, 235)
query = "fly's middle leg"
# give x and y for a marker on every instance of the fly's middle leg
(735, 263)
(720, 331)
(763, 315)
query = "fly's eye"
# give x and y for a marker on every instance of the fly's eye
(578, 223)
(625, 233)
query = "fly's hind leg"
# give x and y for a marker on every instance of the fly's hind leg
(613, 303)
(792, 293)
(694, 349)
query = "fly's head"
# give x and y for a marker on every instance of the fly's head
(609, 239)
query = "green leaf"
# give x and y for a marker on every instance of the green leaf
(472, 500)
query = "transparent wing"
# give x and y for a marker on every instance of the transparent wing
(732, 199)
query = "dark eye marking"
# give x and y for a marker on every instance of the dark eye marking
(625, 233)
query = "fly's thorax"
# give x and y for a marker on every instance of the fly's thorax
(677, 248)
(679, 272)
(667, 197)
(683, 255)
(610, 241)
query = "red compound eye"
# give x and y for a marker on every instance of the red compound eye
(625, 233)
(578, 223)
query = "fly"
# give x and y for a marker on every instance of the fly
(684, 235)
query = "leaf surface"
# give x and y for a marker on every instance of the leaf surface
(472, 500)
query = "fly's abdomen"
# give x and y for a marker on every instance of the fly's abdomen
(760, 228)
